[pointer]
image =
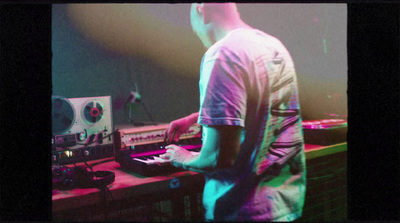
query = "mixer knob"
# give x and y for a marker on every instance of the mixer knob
(82, 135)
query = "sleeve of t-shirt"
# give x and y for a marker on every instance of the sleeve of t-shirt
(222, 92)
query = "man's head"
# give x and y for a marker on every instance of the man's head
(211, 21)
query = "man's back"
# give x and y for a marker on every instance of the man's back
(248, 80)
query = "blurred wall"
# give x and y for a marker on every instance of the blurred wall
(105, 49)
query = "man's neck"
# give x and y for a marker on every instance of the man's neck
(221, 31)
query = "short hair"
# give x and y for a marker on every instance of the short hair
(225, 8)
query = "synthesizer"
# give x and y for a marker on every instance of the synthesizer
(137, 149)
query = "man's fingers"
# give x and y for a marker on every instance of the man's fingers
(166, 136)
(176, 136)
(173, 132)
(171, 151)
(165, 156)
(171, 135)
(168, 133)
(172, 147)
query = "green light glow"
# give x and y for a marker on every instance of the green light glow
(325, 46)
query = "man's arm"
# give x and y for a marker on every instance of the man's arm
(221, 145)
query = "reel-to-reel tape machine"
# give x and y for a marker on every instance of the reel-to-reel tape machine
(82, 129)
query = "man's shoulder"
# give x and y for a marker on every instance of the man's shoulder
(239, 43)
(243, 39)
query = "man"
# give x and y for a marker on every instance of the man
(253, 153)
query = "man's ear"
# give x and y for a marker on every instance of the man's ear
(200, 9)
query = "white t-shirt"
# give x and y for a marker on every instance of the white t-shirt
(248, 79)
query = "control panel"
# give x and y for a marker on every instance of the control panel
(129, 137)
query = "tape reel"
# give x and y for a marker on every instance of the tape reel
(63, 114)
(92, 111)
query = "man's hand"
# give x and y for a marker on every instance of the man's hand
(177, 155)
(179, 126)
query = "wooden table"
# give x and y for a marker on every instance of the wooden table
(315, 151)
(129, 185)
